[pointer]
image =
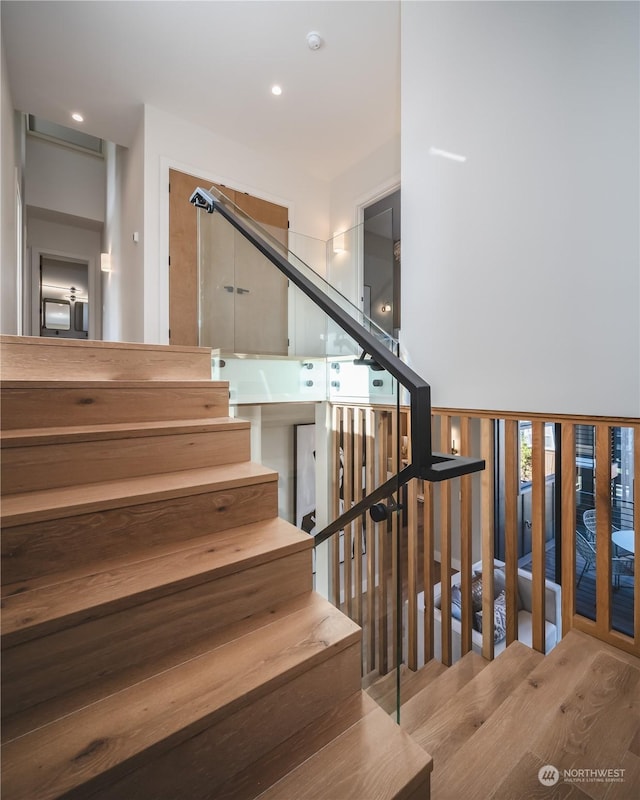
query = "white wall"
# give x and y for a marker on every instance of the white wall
(174, 143)
(521, 279)
(375, 176)
(65, 180)
(9, 162)
(123, 287)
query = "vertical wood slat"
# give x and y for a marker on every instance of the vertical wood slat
(395, 566)
(428, 556)
(381, 529)
(357, 523)
(347, 493)
(445, 546)
(636, 527)
(568, 484)
(412, 574)
(511, 485)
(466, 540)
(487, 528)
(335, 505)
(370, 479)
(603, 528)
(538, 536)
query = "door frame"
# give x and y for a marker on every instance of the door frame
(95, 324)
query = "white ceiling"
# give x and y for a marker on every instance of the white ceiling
(213, 62)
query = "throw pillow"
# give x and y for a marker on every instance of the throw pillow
(476, 591)
(456, 602)
(499, 618)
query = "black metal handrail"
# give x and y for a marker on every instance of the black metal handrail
(425, 463)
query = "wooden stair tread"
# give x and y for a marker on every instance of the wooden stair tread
(55, 602)
(582, 692)
(112, 384)
(30, 437)
(416, 711)
(96, 744)
(464, 714)
(372, 758)
(28, 507)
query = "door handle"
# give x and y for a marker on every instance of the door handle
(242, 291)
(228, 288)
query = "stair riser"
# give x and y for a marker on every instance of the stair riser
(69, 464)
(142, 635)
(38, 407)
(40, 359)
(198, 765)
(43, 548)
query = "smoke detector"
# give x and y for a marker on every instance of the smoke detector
(314, 40)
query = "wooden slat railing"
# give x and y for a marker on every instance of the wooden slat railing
(455, 522)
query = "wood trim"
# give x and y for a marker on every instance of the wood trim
(370, 477)
(357, 523)
(511, 484)
(428, 571)
(412, 574)
(335, 505)
(347, 493)
(568, 489)
(445, 547)
(487, 529)
(603, 528)
(381, 530)
(578, 419)
(538, 535)
(466, 540)
(395, 566)
(614, 638)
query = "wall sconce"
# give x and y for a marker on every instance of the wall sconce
(338, 243)
(385, 307)
(105, 262)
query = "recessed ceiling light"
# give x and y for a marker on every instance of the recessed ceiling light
(277, 90)
(77, 117)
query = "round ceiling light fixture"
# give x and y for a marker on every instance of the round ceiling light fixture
(314, 40)
(77, 117)
(277, 90)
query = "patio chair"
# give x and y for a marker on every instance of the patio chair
(620, 565)
(589, 519)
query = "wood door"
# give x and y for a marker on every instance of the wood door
(260, 313)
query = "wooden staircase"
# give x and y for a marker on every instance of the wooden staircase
(491, 726)
(161, 639)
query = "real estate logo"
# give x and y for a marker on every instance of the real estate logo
(548, 775)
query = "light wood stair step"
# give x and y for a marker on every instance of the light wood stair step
(418, 709)
(231, 695)
(97, 402)
(463, 715)
(371, 758)
(48, 458)
(55, 530)
(39, 607)
(384, 690)
(38, 358)
(578, 709)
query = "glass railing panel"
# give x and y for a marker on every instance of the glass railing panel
(357, 567)
(319, 281)
(254, 379)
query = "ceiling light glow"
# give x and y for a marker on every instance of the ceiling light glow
(435, 151)
(77, 117)
(277, 90)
